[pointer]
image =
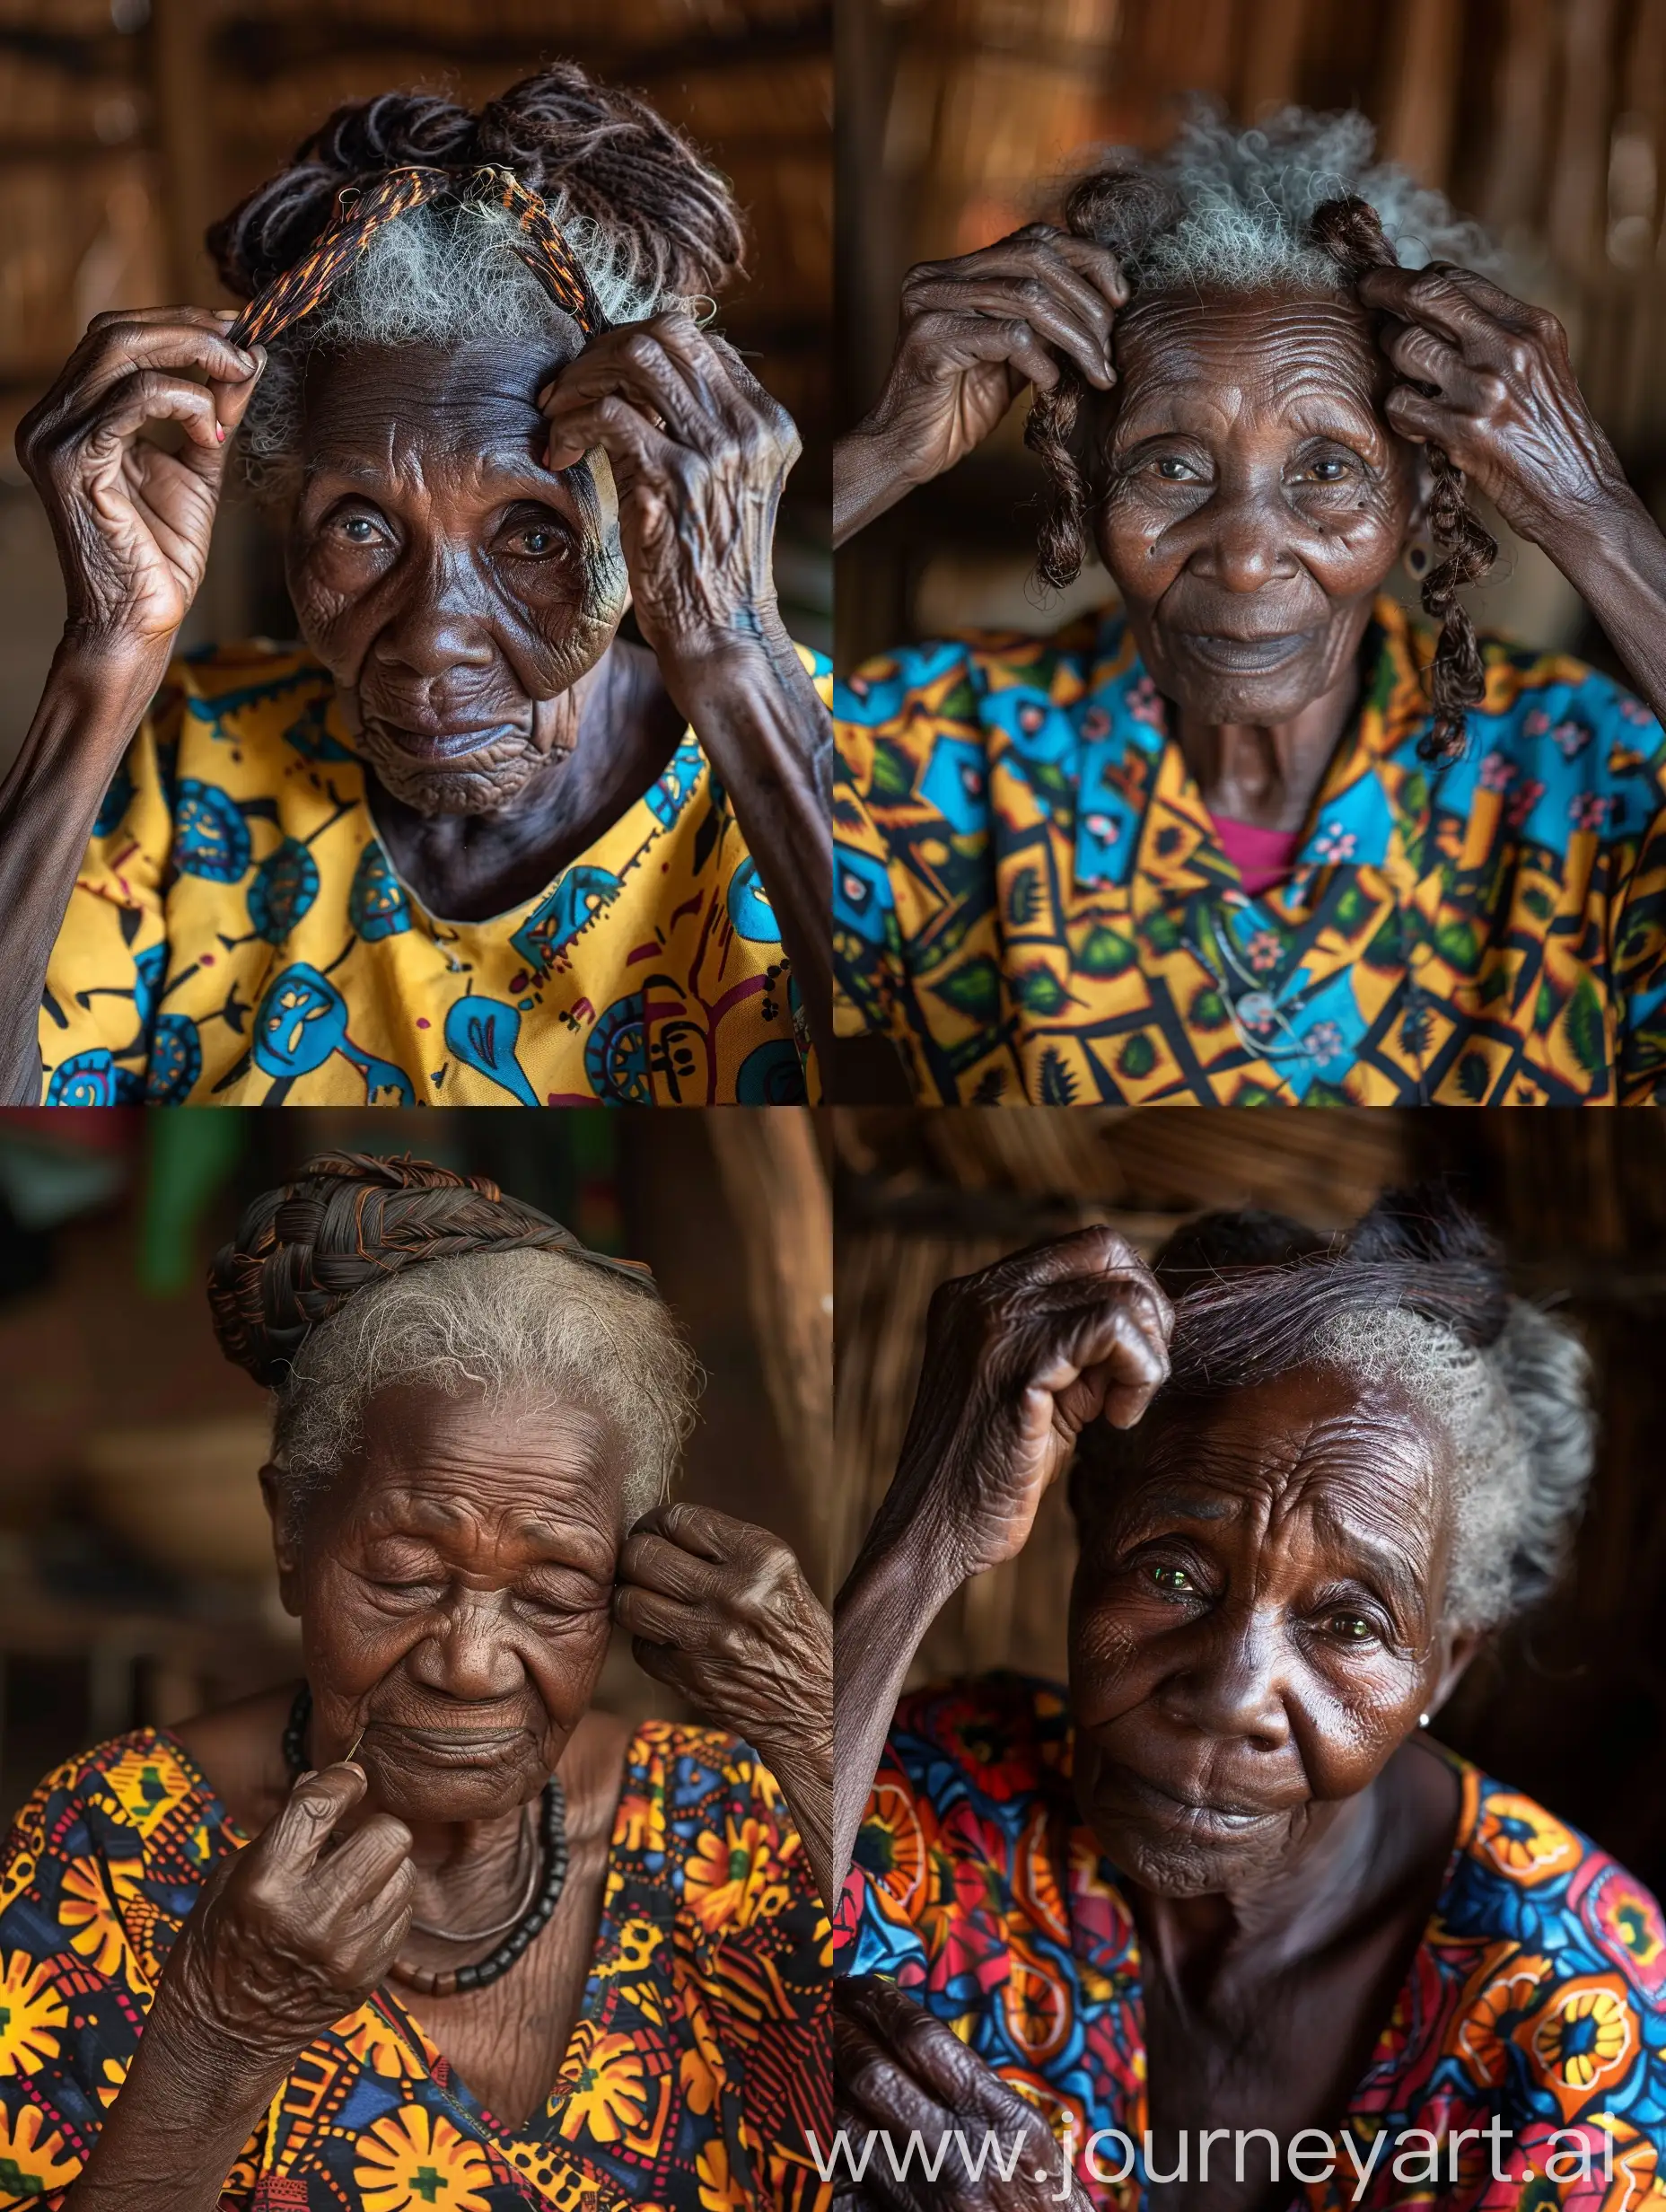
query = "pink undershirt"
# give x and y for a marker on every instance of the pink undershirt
(1263, 858)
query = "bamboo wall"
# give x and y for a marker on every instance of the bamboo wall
(1546, 119)
(1571, 1706)
(127, 125)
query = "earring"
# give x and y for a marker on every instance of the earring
(1419, 558)
(1423, 1720)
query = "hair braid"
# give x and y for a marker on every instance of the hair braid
(1351, 230)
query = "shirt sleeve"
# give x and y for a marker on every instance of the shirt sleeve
(871, 979)
(100, 1012)
(886, 1889)
(1635, 798)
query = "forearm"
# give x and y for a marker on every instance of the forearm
(900, 1582)
(804, 1769)
(92, 705)
(192, 2098)
(1617, 565)
(868, 477)
(768, 737)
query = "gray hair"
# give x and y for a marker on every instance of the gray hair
(1518, 1421)
(440, 275)
(515, 1325)
(1225, 209)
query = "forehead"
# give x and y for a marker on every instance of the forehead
(1315, 1446)
(1230, 358)
(378, 406)
(476, 1473)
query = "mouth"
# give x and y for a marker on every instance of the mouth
(1188, 1814)
(430, 748)
(453, 1747)
(1241, 656)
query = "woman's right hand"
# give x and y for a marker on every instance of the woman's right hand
(132, 522)
(974, 331)
(1019, 1358)
(284, 1941)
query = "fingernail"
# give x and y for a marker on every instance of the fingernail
(310, 1776)
(219, 431)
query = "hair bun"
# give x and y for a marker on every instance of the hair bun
(352, 1219)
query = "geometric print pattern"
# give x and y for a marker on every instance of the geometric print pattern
(697, 2065)
(1033, 901)
(237, 935)
(1538, 1994)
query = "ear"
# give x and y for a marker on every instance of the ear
(1459, 1648)
(284, 1548)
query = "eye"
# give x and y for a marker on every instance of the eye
(1327, 468)
(1175, 471)
(1351, 1627)
(1175, 1579)
(535, 541)
(359, 529)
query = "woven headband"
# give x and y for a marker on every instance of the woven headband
(361, 213)
(350, 1220)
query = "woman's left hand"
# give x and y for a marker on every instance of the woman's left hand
(719, 1610)
(1489, 380)
(699, 453)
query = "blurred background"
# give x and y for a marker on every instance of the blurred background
(1544, 120)
(1569, 1704)
(128, 126)
(136, 1581)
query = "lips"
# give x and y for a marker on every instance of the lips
(1182, 1810)
(1242, 655)
(450, 744)
(456, 1747)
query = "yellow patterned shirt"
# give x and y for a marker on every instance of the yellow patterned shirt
(239, 936)
(1032, 899)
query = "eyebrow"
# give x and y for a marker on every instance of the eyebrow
(521, 468)
(1405, 1587)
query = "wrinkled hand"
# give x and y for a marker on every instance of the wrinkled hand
(133, 522)
(1488, 379)
(699, 453)
(284, 1941)
(1019, 1358)
(977, 329)
(897, 2070)
(721, 1611)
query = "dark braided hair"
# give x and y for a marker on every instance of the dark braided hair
(1123, 207)
(605, 154)
(350, 1220)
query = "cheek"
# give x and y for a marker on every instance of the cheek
(350, 1645)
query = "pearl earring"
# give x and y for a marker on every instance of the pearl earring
(1423, 1720)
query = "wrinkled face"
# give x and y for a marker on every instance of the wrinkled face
(1256, 498)
(454, 588)
(1256, 1626)
(454, 1587)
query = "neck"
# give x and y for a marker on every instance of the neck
(1267, 774)
(468, 867)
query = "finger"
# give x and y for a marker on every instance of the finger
(615, 427)
(1431, 297)
(650, 1563)
(114, 353)
(1422, 358)
(369, 1859)
(148, 396)
(875, 2078)
(1492, 299)
(1028, 301)
(934, 2055)
(960, 340)
(701, 1529)
(662, 1620)
(1415, 416)
(635, 365)
(313, 1808)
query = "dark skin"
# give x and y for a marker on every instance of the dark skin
(464, 534)
(456, 1587)
(1258, 474)
(1257, 1626)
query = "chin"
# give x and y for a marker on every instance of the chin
(479, 784)
(1261, 702)
(415, 1792)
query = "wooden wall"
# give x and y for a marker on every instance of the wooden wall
(127, 125)
(1546, 119)
(1571, 1706)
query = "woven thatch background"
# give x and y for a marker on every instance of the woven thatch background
(1546, 119)
(126, 126)
(1571, 1706)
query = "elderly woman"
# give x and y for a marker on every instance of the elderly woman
(465, 845)
(1225, 1892)
(427, 1930)
(1252, 838)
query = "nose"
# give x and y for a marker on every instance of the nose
(467, 1654)
(1242, 544)
(1229, 1684)
(439, 621)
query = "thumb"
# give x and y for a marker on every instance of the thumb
(316, 1806)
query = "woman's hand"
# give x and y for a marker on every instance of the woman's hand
(720, 1611)
(899, 2072)
(699, 453)
(975, 332)
(1019, 1358)
(1488, 379)
(132, 522)
(284, 1940)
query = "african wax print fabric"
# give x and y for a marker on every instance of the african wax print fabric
(238, 936)
(1032, 899)
(1539, 1991)
(697, 2065)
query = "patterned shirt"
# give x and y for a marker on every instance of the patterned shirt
(1032, 899)
(697, 2063)
(238, 936)
(1538, 1994)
